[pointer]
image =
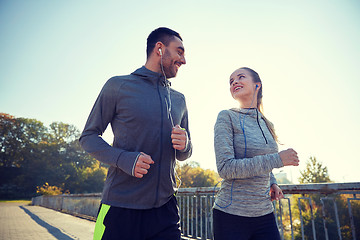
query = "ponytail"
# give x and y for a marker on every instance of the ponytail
(270, 126)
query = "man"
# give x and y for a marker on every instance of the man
(150, 126)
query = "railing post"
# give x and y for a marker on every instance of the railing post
(312, 217)
(192, 215)
(291, 225)
(201, 218)
(188, 216)
(196, 217)
(336, 217)
(206, 217)
(352, 217)
(281, 222)
(211, 217)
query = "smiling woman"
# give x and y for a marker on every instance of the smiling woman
(248, 79)
(244, 84)
(246, 153)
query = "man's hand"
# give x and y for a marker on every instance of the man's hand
(179, 137)
(142, 165)
(276, 193)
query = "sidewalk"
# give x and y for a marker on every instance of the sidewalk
(21, 222)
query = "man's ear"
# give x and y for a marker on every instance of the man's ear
(159, 48)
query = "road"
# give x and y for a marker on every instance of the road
(19, 221)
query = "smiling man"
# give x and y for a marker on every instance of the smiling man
(149, 121)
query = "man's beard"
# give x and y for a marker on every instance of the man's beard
(169, 66)
(169, 71)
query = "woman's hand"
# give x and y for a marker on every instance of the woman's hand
(275, 192)
(289, 157)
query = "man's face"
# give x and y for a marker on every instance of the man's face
(173, 57)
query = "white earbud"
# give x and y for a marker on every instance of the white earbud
(160, 51)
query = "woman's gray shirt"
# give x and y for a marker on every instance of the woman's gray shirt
(247, 173)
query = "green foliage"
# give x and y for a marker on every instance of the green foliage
(18, 136)
(307, 220)
(36, 155)
(46, 189)
(192, 175)
(315, 172)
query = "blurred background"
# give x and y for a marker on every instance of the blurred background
(55, 56)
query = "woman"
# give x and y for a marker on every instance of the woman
(246, 152)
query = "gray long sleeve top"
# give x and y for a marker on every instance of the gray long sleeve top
(136, 107)
(247, 173)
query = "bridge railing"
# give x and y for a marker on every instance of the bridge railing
(308, 211)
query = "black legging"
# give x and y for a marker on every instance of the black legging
(233, 227)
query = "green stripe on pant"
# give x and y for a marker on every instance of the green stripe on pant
(99, 225)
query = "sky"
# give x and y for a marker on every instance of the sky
(55, 56)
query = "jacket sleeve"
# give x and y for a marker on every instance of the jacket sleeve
(272, 179)
(100, 116)
(186, 153)
(228, 166)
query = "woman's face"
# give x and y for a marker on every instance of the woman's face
(242, 87)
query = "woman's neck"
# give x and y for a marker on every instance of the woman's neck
(248, 104)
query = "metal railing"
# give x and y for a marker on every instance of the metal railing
(308, 211)
(195, 209)
(302, 214)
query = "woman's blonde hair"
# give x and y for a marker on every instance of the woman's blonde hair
(256, 79)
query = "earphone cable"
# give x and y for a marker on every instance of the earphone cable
(242, 125)
(168, 107)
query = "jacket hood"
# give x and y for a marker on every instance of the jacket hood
(150, 76)
(252, 112)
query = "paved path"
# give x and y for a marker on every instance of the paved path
(21, 222)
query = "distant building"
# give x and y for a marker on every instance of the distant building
(281, 178)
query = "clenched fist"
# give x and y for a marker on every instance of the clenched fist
(142, 165)
(179, 138)
(289, 157)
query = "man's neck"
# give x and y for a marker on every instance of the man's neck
(153, 66)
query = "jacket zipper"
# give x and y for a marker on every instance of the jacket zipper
(257, 119)
(161, 144)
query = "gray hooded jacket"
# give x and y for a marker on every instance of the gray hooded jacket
(246, 170)
(136, 106)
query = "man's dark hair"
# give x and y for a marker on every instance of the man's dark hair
(161, 34)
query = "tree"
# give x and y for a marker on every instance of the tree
(315, 172)
(32, 155)
(46, 189)
(192, 175)
(62, 133)
(17, 136)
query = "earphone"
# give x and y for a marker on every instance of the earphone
(168, 105)
(256, 86)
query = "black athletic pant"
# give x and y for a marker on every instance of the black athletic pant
(161, 223)
(233, 227)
